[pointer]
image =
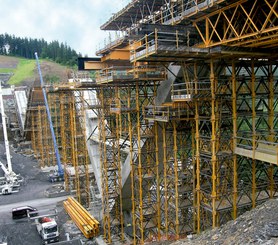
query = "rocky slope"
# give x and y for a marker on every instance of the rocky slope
(258, 226)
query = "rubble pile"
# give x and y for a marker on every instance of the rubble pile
(258, 226)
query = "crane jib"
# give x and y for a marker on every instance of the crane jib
(60, 169)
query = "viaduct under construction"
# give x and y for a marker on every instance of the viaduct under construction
(177, 130)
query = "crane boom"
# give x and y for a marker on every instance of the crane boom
(60, 169)
(8, 154)
(12, 178)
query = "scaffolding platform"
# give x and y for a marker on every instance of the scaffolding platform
(265, 152)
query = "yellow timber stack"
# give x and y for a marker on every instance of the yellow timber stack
(87, 224)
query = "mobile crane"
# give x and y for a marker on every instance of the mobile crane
(57, 175)
(11, 182)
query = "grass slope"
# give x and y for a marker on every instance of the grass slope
(25, 70)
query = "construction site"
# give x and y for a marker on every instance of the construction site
(172, 129)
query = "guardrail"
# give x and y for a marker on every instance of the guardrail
(87, 224)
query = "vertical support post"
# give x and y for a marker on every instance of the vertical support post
(119, 130)
(64, 142)
(156, 39)
(213, 144)
(207, 32)
(40, 131)
(158, 207)
(165, 178)
(177, 223)
(197, 154)
(254, 136)
(271, 125)
(234, 139)
(132, 173)
(139, 168)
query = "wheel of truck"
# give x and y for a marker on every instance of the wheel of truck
(6, 192)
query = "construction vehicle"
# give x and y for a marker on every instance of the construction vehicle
(59, 174)
(48, 229)
(5, 187)
(12, 181)
(55, 176)
(46, 225)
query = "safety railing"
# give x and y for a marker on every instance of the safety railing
(189, 90)
(123, 106)
(111, 43)
(175, 11)
(165, 113)
(182, 92)
(157, 113)
(128, 73)
(256, 143)
(146, 72)
(256, 148)
(114, 73)
(150, 43)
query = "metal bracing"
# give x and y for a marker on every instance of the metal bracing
(214, 165)
(65, 156)
(83, 159)
(67, 111)
(144, 174)
(243, 23)
(41, 137)
(34, 135)
(178, 205)
(110, 157)
(255, 132)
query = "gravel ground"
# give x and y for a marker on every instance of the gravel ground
(35, 181)
(258, 226)
(23, 232)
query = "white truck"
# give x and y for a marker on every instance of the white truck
(48, 229)
(7, 187)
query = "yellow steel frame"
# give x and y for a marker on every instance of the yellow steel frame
(178, 179)
(144, 169)
(110, 148)
(244, 23)
(34, 137)
(64, 142)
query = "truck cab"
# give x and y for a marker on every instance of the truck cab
(48, 229)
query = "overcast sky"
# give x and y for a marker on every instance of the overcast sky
(75, 22)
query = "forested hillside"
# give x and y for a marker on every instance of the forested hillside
(26, 47)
